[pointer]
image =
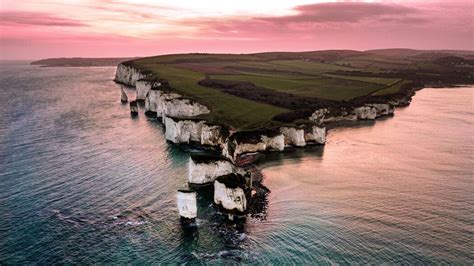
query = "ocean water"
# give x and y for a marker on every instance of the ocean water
(83, 182)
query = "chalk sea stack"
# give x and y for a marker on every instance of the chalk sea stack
(187, 206)
(134, 108)
(123, 96)
(230, 194)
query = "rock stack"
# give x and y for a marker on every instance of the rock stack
(230, 196)
(123, 96)
(134, 108)
(187, 206)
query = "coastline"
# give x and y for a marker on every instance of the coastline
(237, 151)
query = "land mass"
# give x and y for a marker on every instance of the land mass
(242, 104)
(80, 62)
(255, 91)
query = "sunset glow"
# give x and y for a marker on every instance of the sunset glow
(104, 28)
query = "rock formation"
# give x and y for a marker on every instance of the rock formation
(187, 206)
(204, 169)
(229, 194)
(134, 108)
(123, 96)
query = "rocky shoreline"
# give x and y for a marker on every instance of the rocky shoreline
(235, 189)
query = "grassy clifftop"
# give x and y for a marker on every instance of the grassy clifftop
(245, 91)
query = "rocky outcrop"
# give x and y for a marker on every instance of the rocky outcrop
(123, 96)
(248, 142)
(133, 108)
(315, 134)
(142, 87)
(383, 109)
(128, 75)
(154, 101)
(213, 135)
(229, 194)
(187, 204)
(181, 107)
(183, 130)
(365, 112)
(205, 169)
(293, 136)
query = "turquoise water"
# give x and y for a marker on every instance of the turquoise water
(83, 182)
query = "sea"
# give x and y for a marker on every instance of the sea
(83, 182)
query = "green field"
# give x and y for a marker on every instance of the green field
(318, 76)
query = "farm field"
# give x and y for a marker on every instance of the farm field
(246, 91)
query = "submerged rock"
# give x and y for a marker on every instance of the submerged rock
(229, 194)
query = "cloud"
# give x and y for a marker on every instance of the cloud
(345, 12)
(9, 18)
(310, 18)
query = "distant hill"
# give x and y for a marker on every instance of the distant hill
(81, 62)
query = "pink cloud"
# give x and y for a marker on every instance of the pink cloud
(105, 31)
(37, 19)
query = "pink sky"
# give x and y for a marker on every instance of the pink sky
(33, 29)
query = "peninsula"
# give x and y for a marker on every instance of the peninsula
(242, 104)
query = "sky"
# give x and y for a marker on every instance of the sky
(35, 29)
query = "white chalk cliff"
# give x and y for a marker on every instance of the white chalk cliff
(231, 199)
(293, 136)
(187, 204)
(182, 131)
(203, 172)
(128, 75)
(233, 148)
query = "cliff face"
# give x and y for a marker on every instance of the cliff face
(368, 111)
(229, 194)
(187, 204)
(173, 109)
(204, 171)
(182, 131)
(250, 142)
(128, 75)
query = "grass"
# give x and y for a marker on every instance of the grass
(319, 87)
(234, 112)
(307, 75)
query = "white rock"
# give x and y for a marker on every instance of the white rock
(382, 108)
(212, 135)
(123, 95)
(207, 172)
(316, 134)
(293, 136)
(182, 131)
(183, 107)
(128, 75)
(230, 199)
(319, 115)
(187, 204)
(275, 143)
(232, 149)
(143, 87)
(365, 112)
